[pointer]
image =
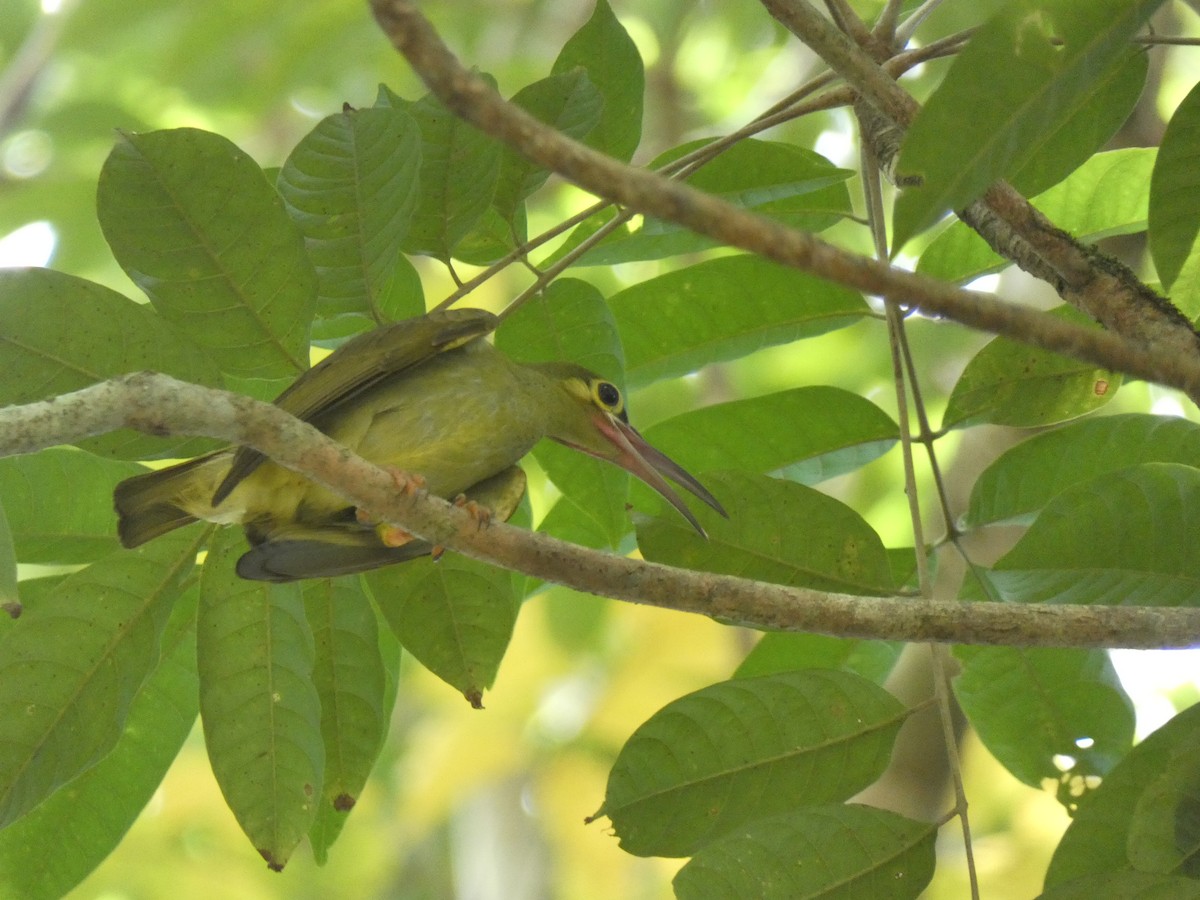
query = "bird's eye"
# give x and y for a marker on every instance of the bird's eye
(608, 396)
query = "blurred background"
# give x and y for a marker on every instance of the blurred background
(491, 804)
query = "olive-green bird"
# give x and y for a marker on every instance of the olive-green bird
(427, 396)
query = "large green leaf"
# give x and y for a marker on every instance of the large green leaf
(1057, 713)
(1138, 546)
(1105, 196)
(260, 709)
(805, 434)
(87, 818)
(1164, 835)
(59, 504)
(567, 101)
(603, 49)
(1174, 223)
(723, 309)
(10, 600)
(782, 651)
(352, 682)
(459, 168)
(826, 851)
(1030, 81)
(711, 762)
(1125, 885)
(59, 333)
(777, 531)
(351, 187)
(1011, 383)
(1098, 839)
(194, 222)
(72, 665)
(455, 616)
(1017, 485)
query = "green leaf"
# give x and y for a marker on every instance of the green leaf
(1057, 714)
(91, 814)
(604, 50)
(194, 222)
(1028, 73)
(71, 666)
(779, 651)
(1097, 841)
(805, 434)
(1174, 224)
(1024, 479)
(790, 184)
(571, 322)
(568, 102)
(829, 851)
(10, 599)
(59, 333)
(351, 681)
(1127, 885)
(568, 322)
(723, 309)
(1108, 561)
(1010, 383)
(60, 504)
(1163, 836)
(351, 187)
(777, 531)
(455, 616)
(1103, 106)
(707, 764)
(459, 168)
(260, 709)
(1105, 196)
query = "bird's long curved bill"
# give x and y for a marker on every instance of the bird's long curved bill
(650, 465)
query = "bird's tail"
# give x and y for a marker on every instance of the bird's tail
(152, 504)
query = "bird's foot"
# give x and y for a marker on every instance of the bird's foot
(408, 483)
(392, 535)
(481, 514)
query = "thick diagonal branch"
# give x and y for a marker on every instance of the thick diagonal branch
(158, 404)
(1097, 284)
(472, 98)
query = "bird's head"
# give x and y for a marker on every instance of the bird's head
(590, 416)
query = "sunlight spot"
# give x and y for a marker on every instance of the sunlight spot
(566, 707)
(644, 38)
(985, 284)
(1167, 405)
(30, 245)
(1085, 743)
(1149, 677)
(52, 7)
(27, 153)
(1063, 763)
(837, 146)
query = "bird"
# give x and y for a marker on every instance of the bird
(431, 399)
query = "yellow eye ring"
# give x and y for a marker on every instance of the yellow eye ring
(606, 396)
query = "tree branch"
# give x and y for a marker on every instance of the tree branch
(158, 404)
(473, 99)
(1099, 285)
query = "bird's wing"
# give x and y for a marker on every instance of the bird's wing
(360, 364)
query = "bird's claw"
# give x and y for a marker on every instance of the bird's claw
(481, 514)
(391, 535)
